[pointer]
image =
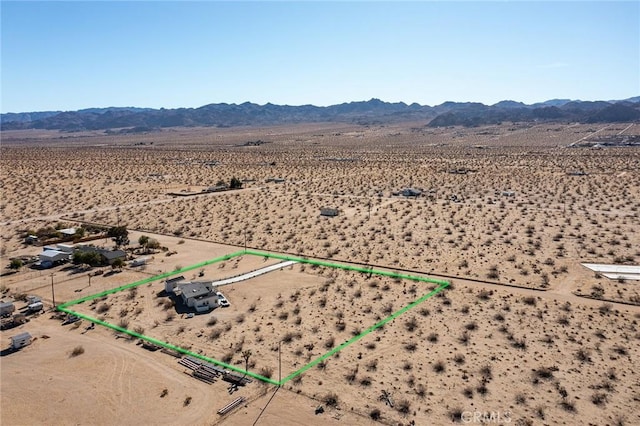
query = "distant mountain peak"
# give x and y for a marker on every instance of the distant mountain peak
(373, 111)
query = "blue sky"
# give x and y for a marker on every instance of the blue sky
(72, 55)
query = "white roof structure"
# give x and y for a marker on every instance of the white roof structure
(68, 231)
(53, 255)
(615, 272)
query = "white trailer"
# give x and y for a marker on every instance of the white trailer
(35, 307)
(139, 261)
(20, 341)
(6, 308)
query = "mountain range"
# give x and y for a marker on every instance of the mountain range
(374, 111)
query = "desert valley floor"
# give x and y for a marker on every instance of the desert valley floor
(524, 334)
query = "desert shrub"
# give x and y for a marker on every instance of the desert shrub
(266, 372)
(456, 414)
(102, 308)
(331, 399)
(439, 367)
(372, 365)
(468, 392)
(484, 295)
(599, 398)
(583, 355)
(411, 346)
(329, 342)
(78, 350)
(411, 324)
(187, 401)
(432, 337)
(458, 359)
(215, 334)
(375, 414)
(471, 326)
(212, 321)
(164, 393)
(403, 407)
(568, 406)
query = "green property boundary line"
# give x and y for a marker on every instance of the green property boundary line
(441, 286)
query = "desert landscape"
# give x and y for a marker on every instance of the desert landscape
(507, 214)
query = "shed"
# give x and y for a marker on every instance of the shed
(21, 340)
(68, 232)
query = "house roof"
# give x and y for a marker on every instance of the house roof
(20, 336)
(112, 254)
(196, 290)
(175, 280)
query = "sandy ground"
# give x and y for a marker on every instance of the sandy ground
(537, 353)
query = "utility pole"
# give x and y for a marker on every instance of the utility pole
(53, 295)
(279, 362)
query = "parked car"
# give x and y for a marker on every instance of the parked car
(222, 301)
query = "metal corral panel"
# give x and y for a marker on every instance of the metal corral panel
(615, 272)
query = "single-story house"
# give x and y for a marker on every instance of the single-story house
(508, 194)
(199, 295)
(329, 211)
(107, 256)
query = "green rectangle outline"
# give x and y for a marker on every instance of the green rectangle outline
(441, 286)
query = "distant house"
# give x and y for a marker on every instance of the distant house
(329, 211)
(411, 192)
(198, 295)
(108, 256)
(112, 255)
(508, 194)
(275, 180)
(217, 188)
